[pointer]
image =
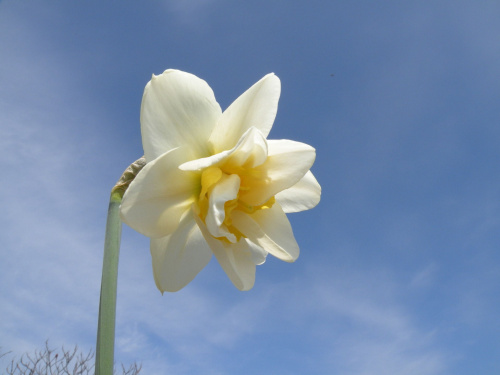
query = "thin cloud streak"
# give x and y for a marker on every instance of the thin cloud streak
(357, 322)
(51, 255)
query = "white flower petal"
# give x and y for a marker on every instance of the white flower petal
(259, 255)
(202, 163)
(159, 195)
(302, 196)
(250, 151)
(269, 229)
(235, 259)
(225, 190)
(178, 109)
(287, 163)
(255, 107)
(179, 257)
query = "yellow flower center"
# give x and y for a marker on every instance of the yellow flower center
(209, 179)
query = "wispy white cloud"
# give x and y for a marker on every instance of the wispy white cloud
(193, 14)
(341, 321)
(377, 334)
(425, 276)
(51, 248)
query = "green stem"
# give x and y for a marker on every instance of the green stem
(107, 304)
(105, 348)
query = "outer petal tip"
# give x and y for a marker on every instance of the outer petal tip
(256, 107)
(302, 196)
(274, 77)
(179, 257)
(178, 109)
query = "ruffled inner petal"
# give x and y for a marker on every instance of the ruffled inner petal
(235, 259)
(270, 230)
(250, 151)
(224, 191)
(286, 164)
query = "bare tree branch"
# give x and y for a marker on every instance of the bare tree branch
(52, 362)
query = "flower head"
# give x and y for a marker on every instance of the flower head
(213, 183)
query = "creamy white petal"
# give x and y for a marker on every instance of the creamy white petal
(250, 151)
(178, 109)
(225, 190)
(259, 255)
(287, 163)
(255, 107)
(235, 259)
(179, 257)
(302, 196)
(202, 163)
(159, 195)
(269, 229)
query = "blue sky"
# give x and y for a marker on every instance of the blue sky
(399, 270)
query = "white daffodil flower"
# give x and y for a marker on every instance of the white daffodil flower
(213, 183)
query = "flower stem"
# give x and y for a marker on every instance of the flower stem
(107, 304)
(105, 348)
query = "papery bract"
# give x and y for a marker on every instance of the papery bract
(213, 183)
